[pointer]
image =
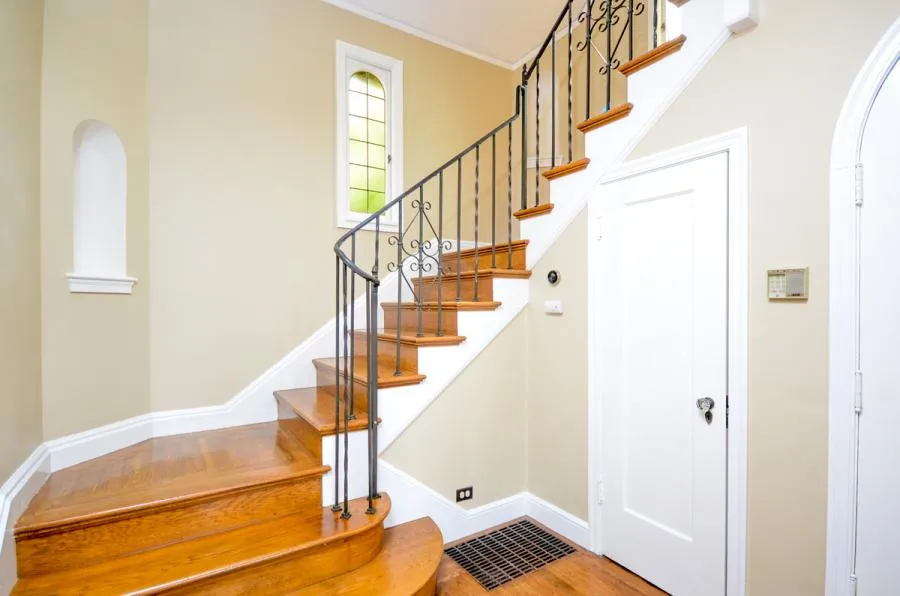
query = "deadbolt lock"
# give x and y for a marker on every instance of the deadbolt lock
(706, 405)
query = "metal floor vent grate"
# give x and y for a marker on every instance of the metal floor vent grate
(505, 554)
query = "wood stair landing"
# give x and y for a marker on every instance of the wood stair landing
(281, 554)
(163, 491)
(407, 565)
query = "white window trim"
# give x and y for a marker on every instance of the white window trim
(345, 51)
(93, 284)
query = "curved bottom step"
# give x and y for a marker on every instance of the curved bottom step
(406, 566)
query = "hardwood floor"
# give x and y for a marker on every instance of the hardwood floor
(579, 573)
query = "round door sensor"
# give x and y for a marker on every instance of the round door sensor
(553, 277)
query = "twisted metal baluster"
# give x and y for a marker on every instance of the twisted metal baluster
(421, 258)
(347, 388)
(477, 170)
(337, 383)
(570, 81)
(524, 119)
(494, 201)
(440, 290)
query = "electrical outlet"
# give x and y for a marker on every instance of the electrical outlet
(463, 494)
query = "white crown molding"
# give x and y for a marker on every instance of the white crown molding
(395, 24)
(95, 284)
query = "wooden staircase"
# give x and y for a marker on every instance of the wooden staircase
(239, 510)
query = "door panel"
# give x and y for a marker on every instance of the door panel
(663, 326)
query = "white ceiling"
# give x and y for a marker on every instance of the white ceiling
(500, 31)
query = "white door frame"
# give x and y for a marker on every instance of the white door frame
(735, 144)
(843, 316)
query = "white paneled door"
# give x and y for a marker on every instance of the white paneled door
(662, 369)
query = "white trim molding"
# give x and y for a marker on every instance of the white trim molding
(93, 284)
(735, 144)
(741, 15)
(843, 346)
(411, 499)
(385, 67)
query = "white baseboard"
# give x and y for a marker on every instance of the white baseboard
(411, 499)
(15, 494)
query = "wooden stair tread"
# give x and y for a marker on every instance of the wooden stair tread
(386, 376)
(185, 562)
(607, 117)
(533, 211)
(428, 338)
(316, 406)
(470, 252)
(567, 168)
(445, 305)
(406, 566)
(166, 472)
(653, 56)
(485, 273)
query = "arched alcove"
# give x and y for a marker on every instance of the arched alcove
(99, 211)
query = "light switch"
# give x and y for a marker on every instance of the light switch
(788, 284)
(553, 307)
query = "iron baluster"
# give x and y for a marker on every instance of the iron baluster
(337, 383)
(570, 81)
(372, 372)
(399, 284)
(587, 44)
(630, 25)
(440, 259)
(553, 104)
(477, 170)
(494, 201)
(656, 23)
(352, 362)
(609, 53)
(421, 261)
(524, 189)
(537, 137)
(509, 200)
(459, 230)
(343, 366)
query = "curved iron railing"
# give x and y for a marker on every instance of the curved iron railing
(420, 242)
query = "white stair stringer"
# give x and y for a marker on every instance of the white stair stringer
(651, 90)
(398, 407)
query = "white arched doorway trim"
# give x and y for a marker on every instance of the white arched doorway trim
(845, 380)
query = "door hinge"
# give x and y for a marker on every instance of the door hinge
(853, 584)
(857, 391)
(727, 411)
(600, 492)
(858, 187)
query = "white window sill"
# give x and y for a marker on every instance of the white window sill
(383, 227)
(92, 284)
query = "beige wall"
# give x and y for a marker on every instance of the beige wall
(557, 375)
(95, 368)
(242, 147)
(20, 285)
(473, 434)
(791, 114)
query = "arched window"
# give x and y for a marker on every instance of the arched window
(99, 216)
(370, 127)
(367, 150)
